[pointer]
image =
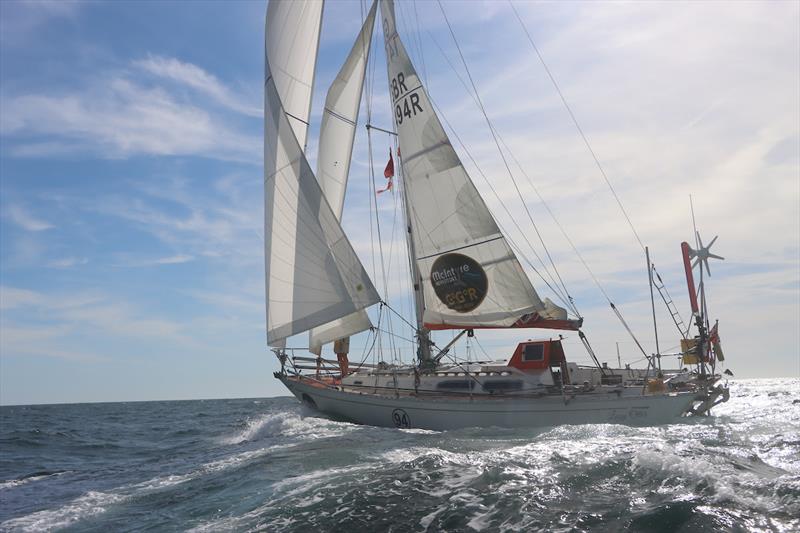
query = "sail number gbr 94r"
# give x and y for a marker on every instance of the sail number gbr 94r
(406, 103)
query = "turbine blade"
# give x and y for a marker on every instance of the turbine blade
(700, 240)
(713, 241)
(716, 256)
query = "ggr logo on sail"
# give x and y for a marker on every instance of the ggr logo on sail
(459, 282)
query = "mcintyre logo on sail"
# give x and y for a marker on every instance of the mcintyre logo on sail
(459, 282)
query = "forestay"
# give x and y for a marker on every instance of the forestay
(313, 276)
(470, 276)
(337, 133)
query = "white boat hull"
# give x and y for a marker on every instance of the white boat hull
(445, 413)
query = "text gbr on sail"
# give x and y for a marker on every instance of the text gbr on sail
(410, 103)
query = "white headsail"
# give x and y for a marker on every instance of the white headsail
(470, 275)
(313, 276)
(337, 133)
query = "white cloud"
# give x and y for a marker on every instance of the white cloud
(221, 220)
(68, 262)
(21, 21)
(42, 341)
(22, 218)
(44, 323)
(118, 118)
(128, 261)
(197, 78)
(174, 259)
(11, 297)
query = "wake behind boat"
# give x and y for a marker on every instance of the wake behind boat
(465, 272)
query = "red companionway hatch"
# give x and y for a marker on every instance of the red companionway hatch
(539, 355)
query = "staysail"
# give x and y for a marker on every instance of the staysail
(470, 276)
(337, 133)
(313, 276)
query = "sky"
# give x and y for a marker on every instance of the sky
(131, 179)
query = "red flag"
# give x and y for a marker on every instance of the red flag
(713, 335)
(388, 187)
(388, 173)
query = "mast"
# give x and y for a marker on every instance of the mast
(696, 313)
(700, 322)
(423, 334)
(653, 305)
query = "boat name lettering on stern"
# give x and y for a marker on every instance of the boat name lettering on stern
(638, 412)
(618, 416)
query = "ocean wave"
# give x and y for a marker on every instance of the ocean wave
(90, 504)
(270, 466)
(290, 423)
(27, 478)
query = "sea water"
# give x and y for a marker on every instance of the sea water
(270, 464)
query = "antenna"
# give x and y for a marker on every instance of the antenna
(694, 227)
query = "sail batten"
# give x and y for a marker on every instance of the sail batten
(337, 134)
(313, 275)
(470, 276)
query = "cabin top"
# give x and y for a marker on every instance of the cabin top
(538, 355)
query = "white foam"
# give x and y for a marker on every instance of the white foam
(11, 483)
(426, 520)
(296, 485)
(94, 503)
(205, 469)
(237, 523)
(417, 431)
(307, 502)
(90, 504)
(288, 424)
(479, 521)
(726, 483)
(262, 426)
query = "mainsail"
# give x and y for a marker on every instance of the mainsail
(291, 46)
(313, 275)
(469, 274)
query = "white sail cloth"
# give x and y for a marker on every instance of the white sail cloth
(313, 276)
(470, 275)
(292, 41)
(337, 133)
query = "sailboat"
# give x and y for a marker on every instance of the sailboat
(465, 275)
